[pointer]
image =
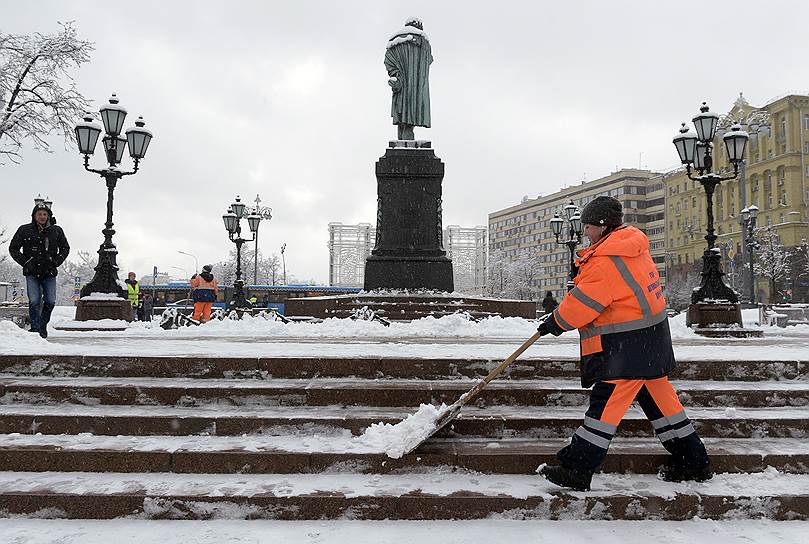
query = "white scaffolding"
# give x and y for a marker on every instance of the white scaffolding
(466, 246)
(349, 246)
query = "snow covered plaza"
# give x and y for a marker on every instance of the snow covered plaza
(148, 425)
(422, 272)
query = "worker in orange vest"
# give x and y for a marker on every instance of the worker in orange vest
(204, 291)
(618, 307)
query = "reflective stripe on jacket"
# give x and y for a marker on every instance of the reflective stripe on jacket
(617, 305)
(132, 292)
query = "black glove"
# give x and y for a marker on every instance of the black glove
(543, 329)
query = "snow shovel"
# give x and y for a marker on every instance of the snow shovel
(455, 408)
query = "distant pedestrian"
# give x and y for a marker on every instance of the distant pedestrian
(133, 294)
(40, 247)
(549, 303)
(204, 291)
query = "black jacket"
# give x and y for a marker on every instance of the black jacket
(39, 252)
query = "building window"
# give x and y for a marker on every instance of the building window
(805, 121)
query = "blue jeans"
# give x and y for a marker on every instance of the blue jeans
(39, 310)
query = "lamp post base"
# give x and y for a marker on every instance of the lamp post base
(718, 319)
(96, 309)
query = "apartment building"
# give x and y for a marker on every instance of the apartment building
(524, 229)
(773, 177)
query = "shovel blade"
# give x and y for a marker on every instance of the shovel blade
(451, 413)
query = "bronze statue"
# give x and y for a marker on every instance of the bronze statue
(407, 60)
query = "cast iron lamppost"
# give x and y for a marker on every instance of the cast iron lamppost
(284, 261)
(265, 213)
(232, 219)
(696, 151)
(749, 221)
(137, 139)
(47, 201)
(573, 235)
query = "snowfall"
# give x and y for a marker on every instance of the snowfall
(451, 337)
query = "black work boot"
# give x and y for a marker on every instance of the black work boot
(678, 472)
(565, 477)
(43, 332)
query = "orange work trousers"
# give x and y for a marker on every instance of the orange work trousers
(609, 402)
(202, 311)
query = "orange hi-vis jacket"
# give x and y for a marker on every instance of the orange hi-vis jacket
(204, 291)
(618, 307)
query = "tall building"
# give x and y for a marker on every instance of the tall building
(467, 248)
(349, 245)
(773, 177)
(523, 231)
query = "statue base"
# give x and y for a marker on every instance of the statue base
(408, 273)
(408, 306)
(409, 251)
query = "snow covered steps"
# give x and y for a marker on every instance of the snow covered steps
(365, 392)
(412, 496)
(340, 452)
(494, 422)
(369, 368)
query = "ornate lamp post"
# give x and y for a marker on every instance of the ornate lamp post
(137, 139)
(232, 220)
(696, 151)
(265, 213)
(749, 222)
(574, 232)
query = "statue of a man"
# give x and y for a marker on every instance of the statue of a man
(407, 59)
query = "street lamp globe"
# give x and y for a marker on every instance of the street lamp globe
(39, 200)
(745, 214)
(138, 139)
(575, 222)
(735, 142)
(115, 147)
(556, 224)
(700, 154)
(570, 209)
(253, 221)
(87, 132)
(48, 202)
(705, 122)
(686, 144)
(113, 115)
(230, 221)
(753, 211)
(238, 207)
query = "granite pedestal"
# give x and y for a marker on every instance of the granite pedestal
(409, 251)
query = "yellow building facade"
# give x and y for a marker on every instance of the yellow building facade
(773, 177)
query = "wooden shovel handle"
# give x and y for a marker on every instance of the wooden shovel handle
(472, 393)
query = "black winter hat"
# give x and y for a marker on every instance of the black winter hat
(41, 206)
(207, 268)
(603, 211)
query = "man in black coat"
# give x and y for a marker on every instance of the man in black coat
(40, 247)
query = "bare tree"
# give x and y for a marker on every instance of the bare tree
(38, 96)
(772, 259)
(83, 267)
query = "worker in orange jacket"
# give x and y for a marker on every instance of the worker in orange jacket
(204, 291)
(618, 307)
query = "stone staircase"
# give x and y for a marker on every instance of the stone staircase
(246, 438)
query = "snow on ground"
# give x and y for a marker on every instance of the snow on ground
(447, 337)
(441, 481)
(36, 531)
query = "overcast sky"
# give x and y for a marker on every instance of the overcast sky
(290, 100)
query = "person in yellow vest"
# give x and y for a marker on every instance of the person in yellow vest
(132, 294)
(204, 291)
